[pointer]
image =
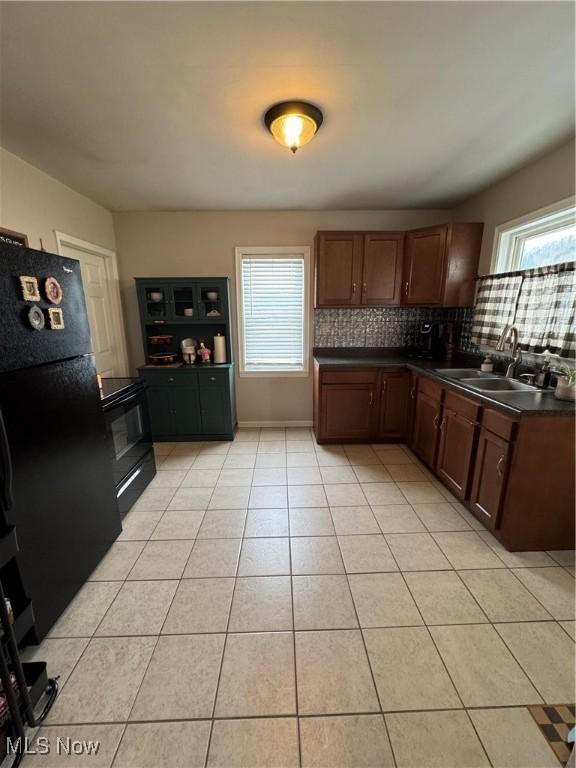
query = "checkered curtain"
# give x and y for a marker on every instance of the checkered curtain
(495, 307)
(540, 302)
(546, 311)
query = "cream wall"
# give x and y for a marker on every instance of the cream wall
(35, 204)
(201, 243)
(544, 181)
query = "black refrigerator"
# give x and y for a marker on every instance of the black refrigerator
(56, 484)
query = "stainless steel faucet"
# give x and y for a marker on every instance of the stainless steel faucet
(510, 330)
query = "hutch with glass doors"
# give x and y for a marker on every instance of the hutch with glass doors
(187, 399)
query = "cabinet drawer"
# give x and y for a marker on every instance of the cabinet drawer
(175, 378)
(461, 405)
(360, 376)
(213, 378)
(430, 388)
(498, 424)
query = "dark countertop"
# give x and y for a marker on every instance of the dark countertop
(114, 388)
(515, 404)
(175, 367)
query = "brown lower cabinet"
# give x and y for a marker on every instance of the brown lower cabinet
(489, 482)
(457, 442)
(361, 405)
(514, 473)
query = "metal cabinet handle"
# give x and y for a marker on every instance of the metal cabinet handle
(436, 419)
(353, 288)
(442, 424)
(171, 379)
(371, 397)
(413, 392)
(212, 378)
(499, 466)
(364, 287)
(406, 289)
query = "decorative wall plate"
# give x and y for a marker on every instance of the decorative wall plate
(30, 290)
(53, 290)
(36, 318)
(56, 319)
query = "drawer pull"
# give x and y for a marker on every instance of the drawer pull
(353, 288)
(436, 421)
(442, 424)
(212, 378)
(406, 289)
(413, 392)
(171, 379)
(371, 396)
(499, 466)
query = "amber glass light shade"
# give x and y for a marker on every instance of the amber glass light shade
(293, 123)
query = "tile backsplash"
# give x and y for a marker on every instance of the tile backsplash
(386, 326)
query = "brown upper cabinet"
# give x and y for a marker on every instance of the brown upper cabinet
(440, 264)
(355, 269)
(424, 267)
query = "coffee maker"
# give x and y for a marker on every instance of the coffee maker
(429, 341)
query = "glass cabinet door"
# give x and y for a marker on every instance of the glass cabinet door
(156, 302)
(211, 301)
(184, 302)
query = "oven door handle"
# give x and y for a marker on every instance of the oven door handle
(133, 396)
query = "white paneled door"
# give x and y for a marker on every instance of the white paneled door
(102, 302)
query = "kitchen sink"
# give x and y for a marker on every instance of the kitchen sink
(464, 373)
(499, 385)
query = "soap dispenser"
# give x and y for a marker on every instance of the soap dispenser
(487, 364)
(542, 379)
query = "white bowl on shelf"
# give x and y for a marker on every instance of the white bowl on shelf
(212, 295)
(156, 296)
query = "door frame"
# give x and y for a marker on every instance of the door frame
(111, 266)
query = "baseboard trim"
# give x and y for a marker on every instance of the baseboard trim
(273, 424)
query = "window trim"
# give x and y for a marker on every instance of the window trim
(273, 251)
(508, 237)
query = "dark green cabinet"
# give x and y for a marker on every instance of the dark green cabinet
(160, 410)
(186, 411)
(187, 402)
(214, 409)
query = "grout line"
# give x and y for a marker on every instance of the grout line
(366, 652)
(294, 648)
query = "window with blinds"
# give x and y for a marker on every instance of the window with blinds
(273, 322)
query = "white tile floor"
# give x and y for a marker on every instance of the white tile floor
(274, 603)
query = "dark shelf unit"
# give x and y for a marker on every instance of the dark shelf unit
(24, 684)
(187, 402)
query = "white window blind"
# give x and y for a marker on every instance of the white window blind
(272, 295)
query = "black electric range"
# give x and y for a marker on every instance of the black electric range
(129, 437)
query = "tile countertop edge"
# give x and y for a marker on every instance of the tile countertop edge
(428, 367)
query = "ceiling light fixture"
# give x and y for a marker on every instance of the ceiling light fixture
(293, 123)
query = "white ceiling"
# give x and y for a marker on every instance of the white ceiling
(159, 105)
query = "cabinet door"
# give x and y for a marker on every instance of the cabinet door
(186, 411)
(183, 302)
(215, 410)
(455, 451)
(489, 483)
(160, 409)
(338, 269)
(347, 411)
(394, 404)
(425, 431)
(424, 266)
(155, 301)
(382, 268)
